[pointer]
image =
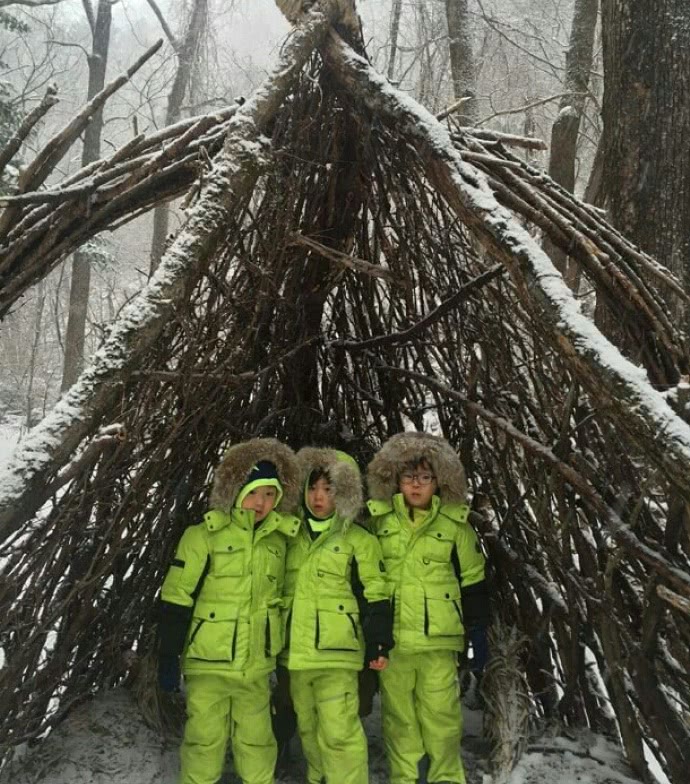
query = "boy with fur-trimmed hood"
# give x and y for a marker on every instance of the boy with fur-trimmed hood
(220, 613)
(436, 566)
(327, 640)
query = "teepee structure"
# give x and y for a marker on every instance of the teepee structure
(349, 267)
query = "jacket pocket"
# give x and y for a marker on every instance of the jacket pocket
(213, 635)
(274, 631)
(275, 562)
(334, 560)
(437, 547)
(228, 561)
(337, 625)
(389, 539)
(442, 612)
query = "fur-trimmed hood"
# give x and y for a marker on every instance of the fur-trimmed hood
(233, 470)
(345, 479)
(388, 462)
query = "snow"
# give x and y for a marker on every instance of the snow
(105, 741)
(9, 438)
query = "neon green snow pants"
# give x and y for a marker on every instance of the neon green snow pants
(420, 706)
(222, 708)
(333, 741)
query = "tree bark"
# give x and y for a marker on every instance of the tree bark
(186, 55)
(566, 129)
(462, 59)
(81, 264)
(36, 338)
(396, 11)
(646, 112)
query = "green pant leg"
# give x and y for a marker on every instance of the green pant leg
(254, 746)
(304, 701)
(402, 735)
(206, 731)
(339, 730)
(440, 715)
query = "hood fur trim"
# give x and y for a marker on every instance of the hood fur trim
(233, 472)
(346, 481)
(384, 469)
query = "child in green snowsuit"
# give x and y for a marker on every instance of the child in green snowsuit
(435, 564)
(220, 613)
(330, 635)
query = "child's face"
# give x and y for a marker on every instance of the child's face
(260, 500)
(320, 499)
(418, 485)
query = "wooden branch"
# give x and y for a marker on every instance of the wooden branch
(164, 24)
(498, 137)
(453, 107)
(679, 602)
(479, 157)
(29, 3)
(456, 299)
(343, 259)
(12, 147)
(108, 436)
(527, 107)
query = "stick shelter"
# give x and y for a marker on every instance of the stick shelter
(350, 267)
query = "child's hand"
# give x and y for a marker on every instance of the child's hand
(378, 664)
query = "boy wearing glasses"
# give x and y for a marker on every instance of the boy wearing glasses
(436, 568)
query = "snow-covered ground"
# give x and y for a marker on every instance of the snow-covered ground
(105, 741)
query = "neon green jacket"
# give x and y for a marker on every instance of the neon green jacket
(226, 583)
(321, 613)
(422, 565)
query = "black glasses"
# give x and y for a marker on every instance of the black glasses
(422, 478)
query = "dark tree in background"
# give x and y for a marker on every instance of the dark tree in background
(566, 129)
(461, 57)
(646, 112)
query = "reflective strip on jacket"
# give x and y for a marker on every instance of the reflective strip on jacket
(238, 572)
(322, 617)
(419, 565)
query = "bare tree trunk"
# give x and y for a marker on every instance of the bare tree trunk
(395, 30)
(186, 55)
(38, 321)
(81, 264)
(646, 111)
(461, 59)
(566, 129)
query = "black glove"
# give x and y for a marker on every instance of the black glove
(169, 673)
(173, 622)
(378, 630)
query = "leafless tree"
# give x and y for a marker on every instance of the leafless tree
(462, 58)
(566, 129)
(99, 23)
(186, 50)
